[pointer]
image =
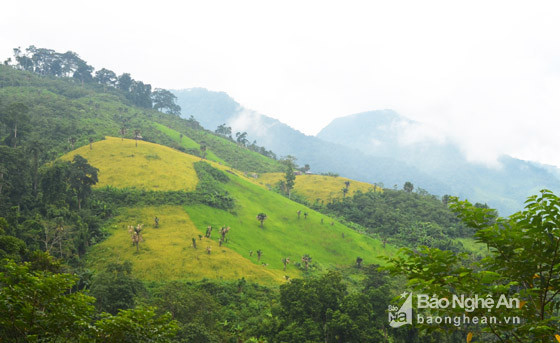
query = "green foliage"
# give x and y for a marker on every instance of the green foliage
(209, 190)
(405, 218)
(164, 99)
(321, 310)
(290, 179)
(136, 325)
(408, 187)
(40, 306)
(10, 246)
(129, 197)
(115, 288)
(196, 311)
(523, 263)
(15, 179)
(37, 305)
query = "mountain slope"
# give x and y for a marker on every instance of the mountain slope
(168, 252)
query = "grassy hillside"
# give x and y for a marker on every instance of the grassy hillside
(238, 157)
(147, 166)
(167, 252)
(319, 187)
(187, 143)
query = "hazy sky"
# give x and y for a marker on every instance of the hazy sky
(485, 74)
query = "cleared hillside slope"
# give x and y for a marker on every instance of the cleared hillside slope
(319, 188)
(168, 253)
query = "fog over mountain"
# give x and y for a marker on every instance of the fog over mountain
(380, 147)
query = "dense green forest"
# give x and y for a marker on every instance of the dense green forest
(52, 214)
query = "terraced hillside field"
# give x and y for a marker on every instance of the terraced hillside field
(168, 253)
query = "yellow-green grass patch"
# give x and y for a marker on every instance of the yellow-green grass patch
(167, 252)
(319, 187)
(147, 166)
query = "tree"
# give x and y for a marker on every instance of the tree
(124, 82)
(35, 148)
(90, 139)
(359, 261)
(83, 72)
(106, 77)
(82, 177)
(224, 231)
(115, 288)
(224, 130)
(285, 261)
(135, 234)
(53, 235)
(241, 138)
(344, 191)
(40, 306)
(259, 254)
(138, 325)
(195, 309)
(137, 136)
(308, 307)
(290, 179)
(14, 177)
(16, 118)
(10, 246)
(140, 94)
(306, 259)
(72, 141)
(408, 187)
(164, 99)
(523, 262)
(203, 150)
(261, 217)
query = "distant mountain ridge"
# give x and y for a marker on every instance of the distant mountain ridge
(379, 147)
(385, 133)
(321, 155)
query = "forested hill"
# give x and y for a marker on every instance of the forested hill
(53, 115)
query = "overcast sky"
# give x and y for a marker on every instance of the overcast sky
(485, 74)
